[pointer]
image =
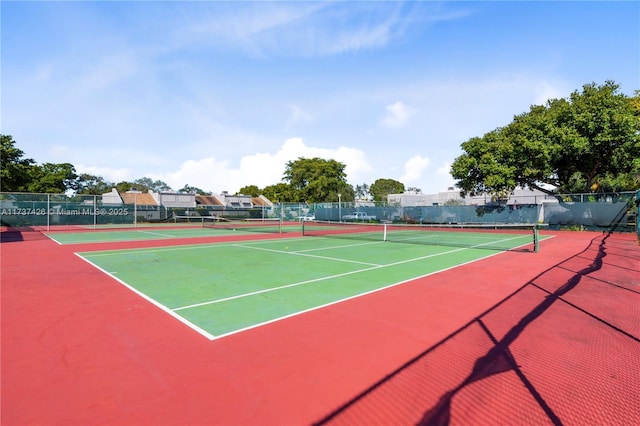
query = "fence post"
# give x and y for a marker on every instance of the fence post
(638, 213)
(48, 212)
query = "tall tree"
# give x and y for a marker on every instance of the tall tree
(568, 145)
(94, 185)
(145, 184)
(15, 170)
(188, 189)
(250, 190)
(124, 186)
(316, 180)
(362, 192)
(383, 187)
(53, 178)
(280, 193)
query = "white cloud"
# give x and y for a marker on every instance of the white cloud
(398, 115)
(308, 29)
(445, 180)
(445, 169)
(261, 169)
(109, 174)
(413, 168)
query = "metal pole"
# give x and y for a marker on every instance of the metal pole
(48, 211)
(281, 218)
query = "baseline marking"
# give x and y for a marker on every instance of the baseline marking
(157, 233)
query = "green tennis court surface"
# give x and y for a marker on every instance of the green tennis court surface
(220, 289)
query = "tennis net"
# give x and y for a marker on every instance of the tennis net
(492, 236)
(271, 225)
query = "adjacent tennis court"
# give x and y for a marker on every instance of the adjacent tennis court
(194, 229)
(220, 289)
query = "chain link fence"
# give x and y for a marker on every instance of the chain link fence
(604, 211)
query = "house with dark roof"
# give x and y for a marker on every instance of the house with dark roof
(161, 205)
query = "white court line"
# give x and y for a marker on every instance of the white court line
(374, 266)
(157, 233)
(355, 296)
(329, 277)
(113, 252)
(85, 241)
(299, 253)
(102, 240)
(427, 238)
(153, 301)
(214, 337)
(268, 290)
(339, 247)
(53, 239)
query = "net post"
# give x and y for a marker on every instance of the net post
(536, 239)
(302, 228)
(384, 234)
(95, 212)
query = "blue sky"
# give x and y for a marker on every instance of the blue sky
(220, 95)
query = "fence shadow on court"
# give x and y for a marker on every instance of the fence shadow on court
(13, 235)
(497, 370)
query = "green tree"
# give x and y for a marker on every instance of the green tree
(568, 145)
(15, 170)
(94, 185)
(346, 191)
(124, 186)
(193, 190)
(362, 191)
(250, 190)
(316, 180)
(146, 184)
(280, 193)
(53, 178)
(383, 187)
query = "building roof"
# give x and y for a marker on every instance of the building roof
(260, 202)
(208, 200)
(139, 198)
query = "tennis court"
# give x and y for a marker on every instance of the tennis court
(220, 289)
(209, 228)
(344, 325)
